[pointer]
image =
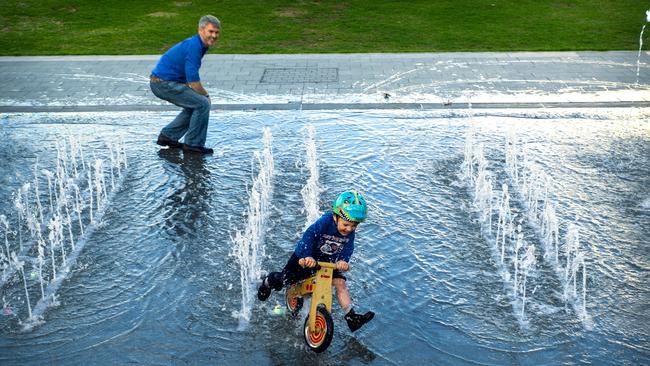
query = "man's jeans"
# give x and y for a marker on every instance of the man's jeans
(193, 120)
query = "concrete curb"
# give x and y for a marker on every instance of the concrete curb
(321, 106)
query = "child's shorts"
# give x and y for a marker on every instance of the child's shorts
(293, 272)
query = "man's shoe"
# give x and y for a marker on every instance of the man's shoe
(166, 141)
(356, 321)
(197, 149)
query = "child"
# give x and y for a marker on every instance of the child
(329, 239)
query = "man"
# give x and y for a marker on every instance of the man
(176, 80)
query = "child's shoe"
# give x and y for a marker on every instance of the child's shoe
(356, 321)
(271, 282)
(264, 291)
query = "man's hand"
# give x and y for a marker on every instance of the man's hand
(307, 262)
(342, 266)
(198, 87)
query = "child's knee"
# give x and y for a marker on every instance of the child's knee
(339, 283)
(274, 280)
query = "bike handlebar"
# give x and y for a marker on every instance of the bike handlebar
(325, 264)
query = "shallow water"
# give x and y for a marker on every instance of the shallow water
(157, 282)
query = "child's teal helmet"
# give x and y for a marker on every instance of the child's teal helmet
(351, 206)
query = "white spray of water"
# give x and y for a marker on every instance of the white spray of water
(467, 167)
(41, 261)
(100, 187)
(47, 244)
(34, 216)
(37, 194)
(514, 258)
(248, 246)
(505, 223)
(526, 263)
(638, 56)
(311, 191)
(535, 188)
(69, 258)
(550, 234)
(483, 195)
(19, 267)
(575, 261)
(49, 175)
(56, 240)
(5, 227)
(20, 209)
(78, 207)
(90, 194)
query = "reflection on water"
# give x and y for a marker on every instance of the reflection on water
(157, 282)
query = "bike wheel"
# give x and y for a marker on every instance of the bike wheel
(294, 303)
(319, 340)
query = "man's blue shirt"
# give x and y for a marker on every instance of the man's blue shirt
(323, 242)
(182, 62)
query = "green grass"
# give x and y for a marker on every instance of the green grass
(41, 27)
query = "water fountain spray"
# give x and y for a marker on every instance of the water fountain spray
(90, 195)
(55, 241)
(18, 264)
(48, 174)
(69, 256)
(248, 245)
(45, 244)
(483, 192)
(5, 256)
(37, 194)
(20, 209)
(535, 188)
(311, 191)
(41, 262)
(514, 258)
(505, 223)
(527, 262)
(638, 56)
(78, 208)
(100, 186)
(550, 233)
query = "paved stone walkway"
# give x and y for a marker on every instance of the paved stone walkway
(335, 81)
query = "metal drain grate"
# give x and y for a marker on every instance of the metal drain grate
(290, 75)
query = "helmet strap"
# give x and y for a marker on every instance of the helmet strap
(339, 216)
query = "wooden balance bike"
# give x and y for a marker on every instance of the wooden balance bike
(319, 327)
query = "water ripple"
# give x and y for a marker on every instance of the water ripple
(157, 283)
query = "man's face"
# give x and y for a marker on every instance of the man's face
(209, 34)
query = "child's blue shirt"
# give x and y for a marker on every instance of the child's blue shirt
(323, 242)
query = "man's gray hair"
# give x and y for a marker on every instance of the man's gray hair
(209, 19)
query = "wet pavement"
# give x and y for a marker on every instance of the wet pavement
(337, 81)
(161, 260)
